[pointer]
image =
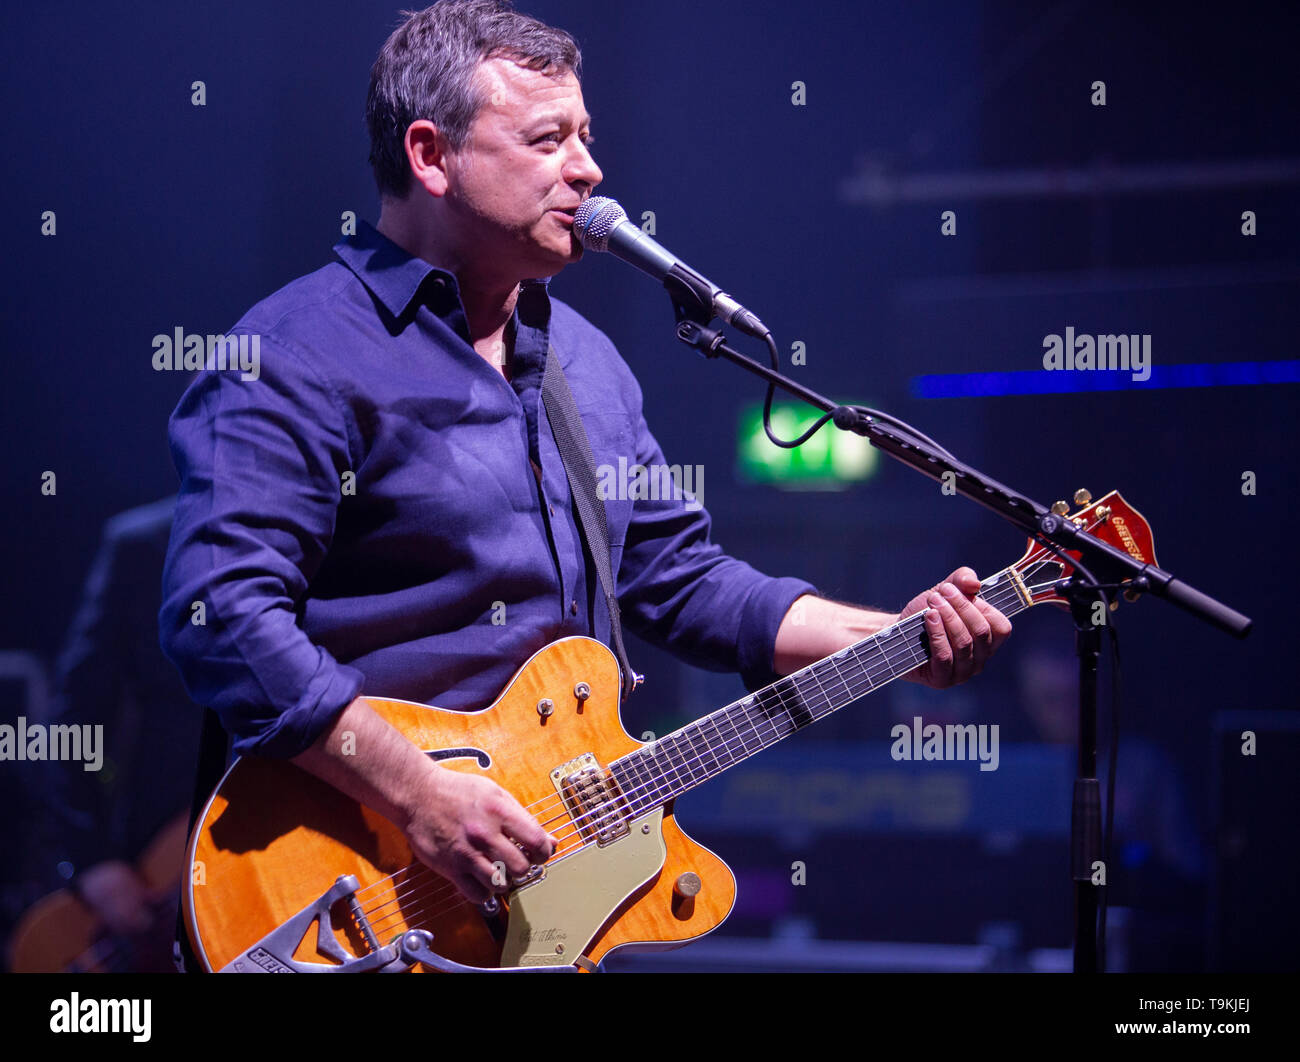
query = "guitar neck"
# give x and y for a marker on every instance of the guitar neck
(677, 762)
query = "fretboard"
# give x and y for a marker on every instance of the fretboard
(677, 762)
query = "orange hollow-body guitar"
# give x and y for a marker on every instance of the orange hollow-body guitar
(290, 875)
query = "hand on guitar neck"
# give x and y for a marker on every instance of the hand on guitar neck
(964, 630)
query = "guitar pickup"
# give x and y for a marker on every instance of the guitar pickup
(593, 799)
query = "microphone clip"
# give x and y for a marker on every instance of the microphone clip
(705, 340)
(692, 296)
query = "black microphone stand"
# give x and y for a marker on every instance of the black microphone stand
(692, 303)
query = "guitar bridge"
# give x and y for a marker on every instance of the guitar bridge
(274, 952)
(592, 799)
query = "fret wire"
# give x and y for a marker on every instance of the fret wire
(861, 662)
(811, 697)
(686, 758)
(755, 702)
(695, 732)
(834, 662)
(728, 714)
(768, 714)
(826, 697)
(762, 701)
(798, 715)
(718, 768)
(742, 708)
(661, 760)
(725, 743)
(830, 665)
(671, 744)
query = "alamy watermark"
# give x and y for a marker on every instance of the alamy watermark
(651, 483)
(1123, 353)
(955, 741)
(36, 741)
(77, 1015)
(190, 353)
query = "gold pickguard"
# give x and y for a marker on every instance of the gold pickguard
(553, 920)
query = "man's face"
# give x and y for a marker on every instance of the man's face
(524, 169)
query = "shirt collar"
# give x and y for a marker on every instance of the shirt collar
(395, 277)
(387, 271)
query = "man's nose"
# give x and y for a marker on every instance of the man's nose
(582, 167)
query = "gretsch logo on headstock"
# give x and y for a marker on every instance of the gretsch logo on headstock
(1127, 538)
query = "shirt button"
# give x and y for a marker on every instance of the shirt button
(573, 607)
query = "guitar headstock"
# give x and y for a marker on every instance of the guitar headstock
(1110, 519)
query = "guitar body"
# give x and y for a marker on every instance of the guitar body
(274, 839)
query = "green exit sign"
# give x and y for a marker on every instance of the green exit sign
(830, 460)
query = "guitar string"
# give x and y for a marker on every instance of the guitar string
(674, 774)
(556, 803)
(890, 656)
(419, 915)
(675, 767)
(793, 687)
(713, 720)
(416, 916)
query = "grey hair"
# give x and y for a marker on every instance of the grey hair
(426, 69)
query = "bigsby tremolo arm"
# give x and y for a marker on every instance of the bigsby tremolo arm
(274, 952)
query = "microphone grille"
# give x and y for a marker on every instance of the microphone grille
(595, 219)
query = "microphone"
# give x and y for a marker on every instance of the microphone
(602, 225)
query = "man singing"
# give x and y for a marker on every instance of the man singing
(384, 510)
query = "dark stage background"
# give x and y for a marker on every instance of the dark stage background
(1122, 218)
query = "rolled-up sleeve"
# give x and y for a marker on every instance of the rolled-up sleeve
(681, 592)
(262, 465)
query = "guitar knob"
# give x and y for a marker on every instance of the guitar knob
(582, 691)
(545, 707)
(687, 885)
(1060, 508)
(1082, 497)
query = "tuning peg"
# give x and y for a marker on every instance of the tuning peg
(1060, 508)
(1103, 512)
(1082, 497)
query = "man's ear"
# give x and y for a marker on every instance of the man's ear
(426, 152)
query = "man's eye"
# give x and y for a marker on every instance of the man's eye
(556, 138)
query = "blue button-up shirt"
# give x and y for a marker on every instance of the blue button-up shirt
(364, 517)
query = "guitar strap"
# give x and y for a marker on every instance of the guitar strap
(575, 451)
